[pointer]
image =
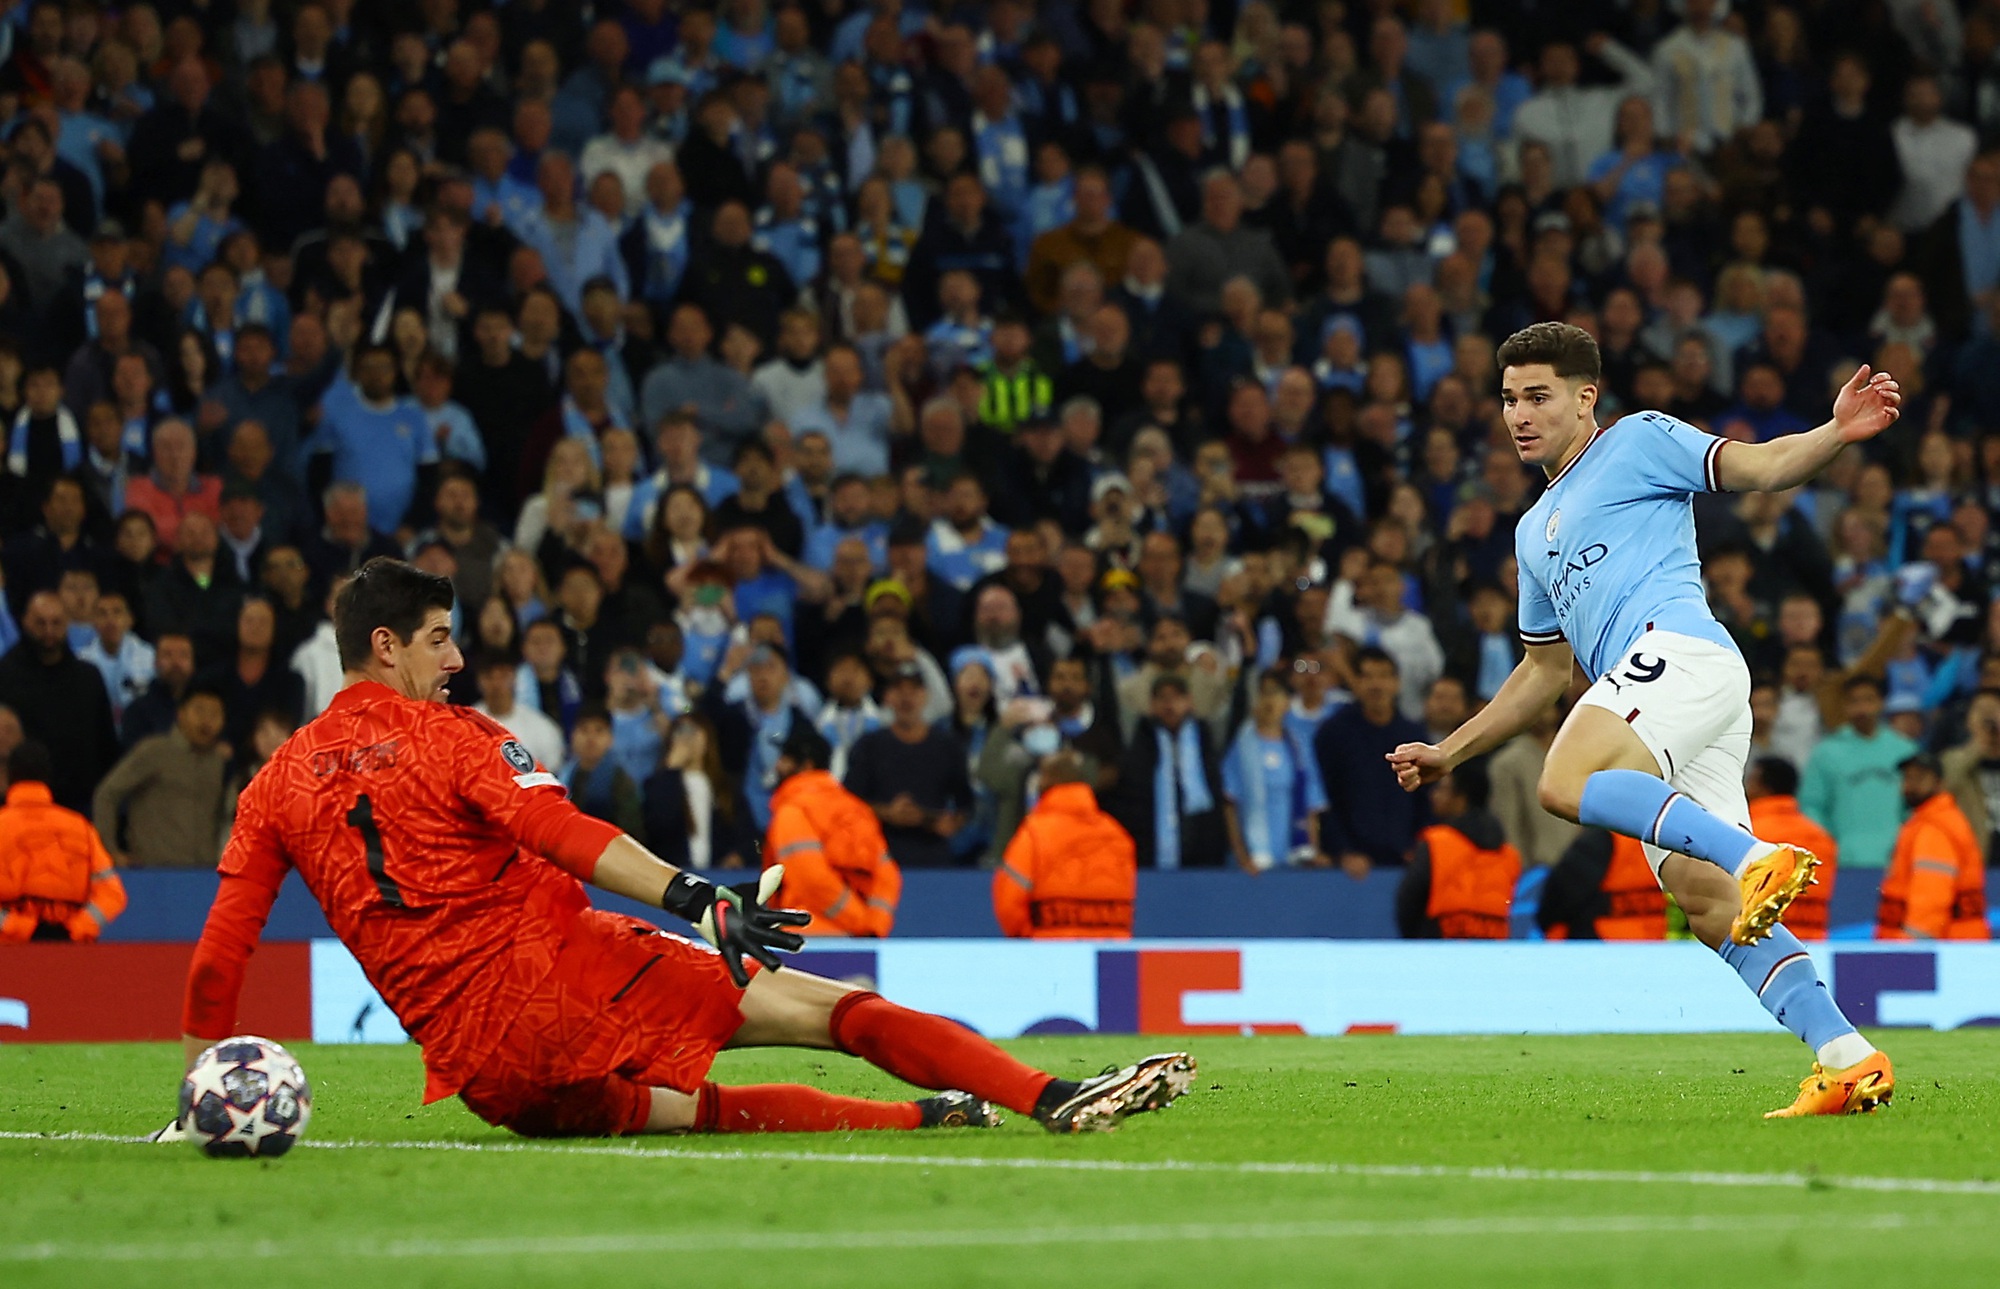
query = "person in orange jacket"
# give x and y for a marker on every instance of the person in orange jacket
(1936, 885)
(837, 865)
(56, 878)
(1773, 790)
(1071, 871)
(1459, 884)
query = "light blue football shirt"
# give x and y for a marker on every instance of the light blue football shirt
(1608, 553)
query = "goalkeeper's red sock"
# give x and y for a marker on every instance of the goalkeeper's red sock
(933, 1052)
(791, 1107)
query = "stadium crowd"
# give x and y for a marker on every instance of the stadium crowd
(970, 382)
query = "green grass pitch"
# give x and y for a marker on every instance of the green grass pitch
(1356, 1161)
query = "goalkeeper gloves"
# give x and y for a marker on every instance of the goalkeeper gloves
(735, 919)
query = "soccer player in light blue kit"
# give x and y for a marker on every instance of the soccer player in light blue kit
(1655, 748)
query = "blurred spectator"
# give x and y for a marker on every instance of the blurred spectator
(255, 679)
(1773, 788)
(541, 736)
(595, 781)
(61, 701)
(1460, 881)
(1272, 788)
(1169, 793)
(1935, 888)
(913, 775)
(124, 660)
(695, 815)
(167, 792)
(1515, 773)
(1848, 787)
(1369, 821)
(56, 877)
(1070, 870)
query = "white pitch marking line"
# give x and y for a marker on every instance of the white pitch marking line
(1490, 1173)
(930, 1238)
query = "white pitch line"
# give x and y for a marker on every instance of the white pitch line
(1300, 1168)
(654, 1242)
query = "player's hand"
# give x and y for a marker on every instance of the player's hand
(1416, 764)
(736, 921)
(1867, 405)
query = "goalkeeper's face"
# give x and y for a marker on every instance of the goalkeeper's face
(421, 668)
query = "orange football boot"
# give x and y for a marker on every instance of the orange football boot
(1769, 886)
(1861, 1088)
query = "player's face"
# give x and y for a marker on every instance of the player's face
(423, 667)
(1548, 416)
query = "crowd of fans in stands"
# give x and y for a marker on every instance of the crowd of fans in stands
(971, 381)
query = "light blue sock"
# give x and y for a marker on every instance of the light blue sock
(1644, 806)
(1786, 982)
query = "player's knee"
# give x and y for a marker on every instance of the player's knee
(1560, 794)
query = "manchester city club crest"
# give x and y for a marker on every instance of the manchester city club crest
(517, 756)
(1555, 517)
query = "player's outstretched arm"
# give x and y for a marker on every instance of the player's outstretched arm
(735, 919)
(1536, 682)
(1866, 406)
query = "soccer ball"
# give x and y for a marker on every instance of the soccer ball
(245, 1096)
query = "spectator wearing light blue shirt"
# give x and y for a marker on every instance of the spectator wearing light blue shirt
(678, 445)
(856, 423)
(1635, 170)
(196, 227)
(1271, 784)
(124, 660)
(848, 515)
(963, 545)
(575, 242)
(453, 432)
(376, 439)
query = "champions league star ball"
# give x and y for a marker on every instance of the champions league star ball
(245, 1096)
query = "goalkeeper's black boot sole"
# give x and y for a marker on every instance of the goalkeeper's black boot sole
(1102, 1103)
(957, 1110)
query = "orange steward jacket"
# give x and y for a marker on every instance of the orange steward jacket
(1472, 889)
(837, 865)
(53, 868)
(1070, 872)
(1936, 886)
(1780, 819)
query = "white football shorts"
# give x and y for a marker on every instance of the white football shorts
(1688, 700)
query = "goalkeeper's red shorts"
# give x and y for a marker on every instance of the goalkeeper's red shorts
(627, 1009)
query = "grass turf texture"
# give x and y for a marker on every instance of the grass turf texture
(754, 1210)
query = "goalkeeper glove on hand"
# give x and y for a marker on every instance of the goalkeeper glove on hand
(735, 919)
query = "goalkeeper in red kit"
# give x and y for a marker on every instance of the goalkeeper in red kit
(452, 866)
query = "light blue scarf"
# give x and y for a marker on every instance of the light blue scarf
(1180, 750)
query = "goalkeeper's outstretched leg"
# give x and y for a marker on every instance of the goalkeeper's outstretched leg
(794, 1009)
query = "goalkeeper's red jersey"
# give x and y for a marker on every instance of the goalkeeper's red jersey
(421, 828)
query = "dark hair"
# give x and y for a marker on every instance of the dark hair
(1570, 350)
(807, 746)
(1863, 681)
(591, 712)
(1779, 776)
(752, 448)
(386, 592)
(1372, 653)
(203, 687)
(493, 660)
(30, 762)
(1472, 785)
